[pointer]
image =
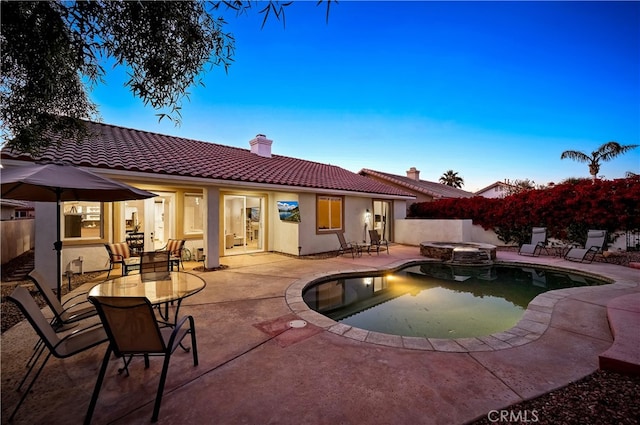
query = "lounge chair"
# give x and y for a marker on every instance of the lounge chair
(538, 242)
(346, 246)
(133, 331)
(596, 242)
(61, 348)
(376, 242)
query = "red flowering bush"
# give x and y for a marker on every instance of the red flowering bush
(567, 210)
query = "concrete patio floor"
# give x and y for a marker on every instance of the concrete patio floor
(254, 369)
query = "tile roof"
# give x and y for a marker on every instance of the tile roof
(436, 190)
(497, 184)
(119, 148)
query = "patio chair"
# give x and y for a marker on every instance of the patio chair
(132, 329)
(154, 262)
(135, 241)
(377, 242)
(72, 309)
(175, 247)
(346, 246)
(596, 242)
(538, 242)
(61, 348)
(119, 253)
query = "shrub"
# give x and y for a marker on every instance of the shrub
(567, 210)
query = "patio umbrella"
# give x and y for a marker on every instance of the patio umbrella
(60, 183)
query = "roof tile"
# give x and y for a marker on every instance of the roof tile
(113, 147)
(436, 190)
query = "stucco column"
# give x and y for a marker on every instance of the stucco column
(212, 227)
(45, 236)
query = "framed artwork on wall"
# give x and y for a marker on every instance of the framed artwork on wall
(289, 211)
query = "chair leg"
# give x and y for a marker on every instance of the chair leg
(163, 377)
(125, 368)
(194, 344)
(26, 392)
(96, 390)
(38, 350)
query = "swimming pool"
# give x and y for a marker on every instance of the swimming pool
(436, 300)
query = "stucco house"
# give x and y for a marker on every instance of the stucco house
(423, 190)
(222, 200)
(495, 190)
(13, 209)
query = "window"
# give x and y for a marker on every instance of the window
(329, 213)
(193, 213)
(83, 220)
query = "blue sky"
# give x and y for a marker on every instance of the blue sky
(491, 90)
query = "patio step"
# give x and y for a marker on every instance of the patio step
(624, 320)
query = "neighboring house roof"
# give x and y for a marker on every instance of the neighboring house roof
(114, 147)
(435, 190)
(13, 203)
(497, 185)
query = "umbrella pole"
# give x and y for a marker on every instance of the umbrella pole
(57, 245)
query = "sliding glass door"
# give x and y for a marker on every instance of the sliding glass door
(243, 224)
(382, 219)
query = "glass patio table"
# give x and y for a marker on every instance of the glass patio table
(158, 287)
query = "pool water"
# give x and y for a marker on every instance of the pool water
(436, 300)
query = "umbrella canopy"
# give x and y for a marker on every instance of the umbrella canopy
(60, 183)
(53, 183)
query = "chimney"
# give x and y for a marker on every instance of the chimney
(413, 174)
(261, 146)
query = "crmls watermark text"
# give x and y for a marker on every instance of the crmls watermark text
(517, 416)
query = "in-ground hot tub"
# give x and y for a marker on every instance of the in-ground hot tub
(459, 252)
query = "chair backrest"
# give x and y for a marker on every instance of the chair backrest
(118, 251)
(154, 261)
(374, 236)
(48, 295)
(29, 308)
(538, 235)
(596, 239)
(343, 242)
(175, 246)
(135, 242)
(130, 324)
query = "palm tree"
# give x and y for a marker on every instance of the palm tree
(451, 178)
(606, 152)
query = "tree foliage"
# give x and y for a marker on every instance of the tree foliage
(53, 53)
(567, 210)
(606, 152)
(451, 178)
(518, 185)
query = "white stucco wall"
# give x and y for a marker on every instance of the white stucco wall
(416, 231)
(45, 236)
(284, 236)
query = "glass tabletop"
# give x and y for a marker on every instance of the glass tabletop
(158, 288)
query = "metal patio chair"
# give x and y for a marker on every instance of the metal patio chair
(377, 242)
(132, 329)
(596, 242)
(61, 348)
(346, 246)
(538, 242)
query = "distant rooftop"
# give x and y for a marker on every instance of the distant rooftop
(412, 183)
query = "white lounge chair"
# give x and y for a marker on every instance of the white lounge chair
(596, 242)
(538, 242)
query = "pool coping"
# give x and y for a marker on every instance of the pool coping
(534, 322)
